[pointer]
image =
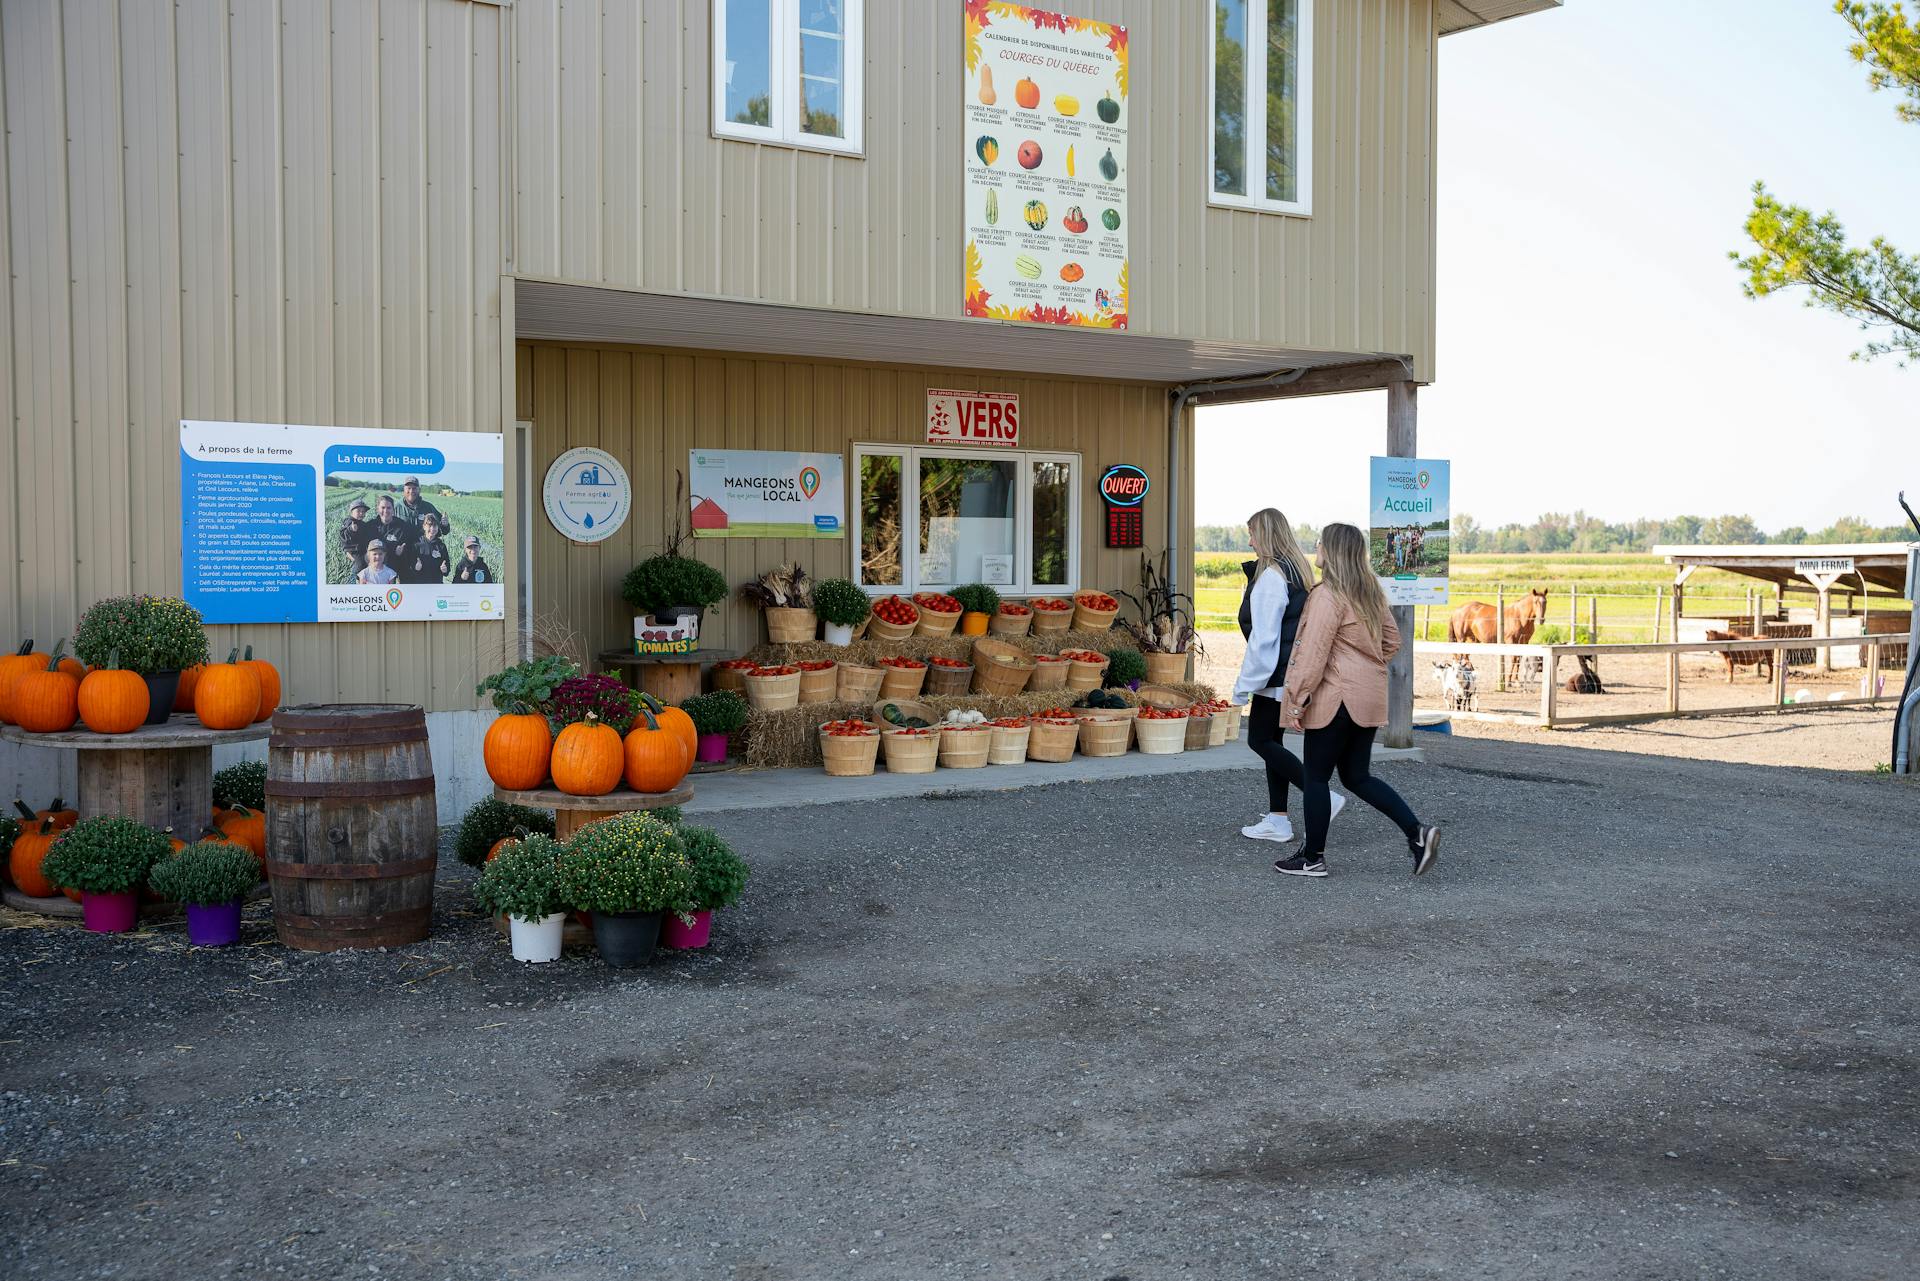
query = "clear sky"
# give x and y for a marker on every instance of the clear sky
(1595, 351)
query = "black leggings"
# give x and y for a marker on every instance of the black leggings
(1263, 736)
(1347, 747)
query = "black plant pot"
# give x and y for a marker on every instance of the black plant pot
(161, 687)
(626, 939)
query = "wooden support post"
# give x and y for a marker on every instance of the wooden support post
(1824, 627)
(1500, 634)
(1593, 628)
(1659, 607)
(1573, 614)
(1550, 666)
(1780, 677)
(1402, 417)
(1873, 669)
(1426, 622)
(1673, 659)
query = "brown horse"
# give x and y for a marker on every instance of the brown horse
(1474, 623)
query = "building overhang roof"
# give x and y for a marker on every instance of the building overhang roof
(1466, 15)
(1882, 564)
(564, 311)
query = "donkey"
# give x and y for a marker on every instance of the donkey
(1474, 623)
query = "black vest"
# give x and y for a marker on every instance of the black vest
(1289, 620)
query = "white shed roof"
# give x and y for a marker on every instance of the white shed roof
(1465, 15)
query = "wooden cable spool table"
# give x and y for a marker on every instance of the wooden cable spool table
(668, 677)
(571, 813)
(159, 775)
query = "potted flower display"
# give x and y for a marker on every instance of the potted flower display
(1164, 630)
(626, 870)
(785, 596)
(519, 744)
(719, 878)
(978, 604)
(1125, 667)
(842, 606)
(523, 884)
(671, 586)
(715, 717)
(590, 716)
(107, 860)
(157, 636)
(211, 879)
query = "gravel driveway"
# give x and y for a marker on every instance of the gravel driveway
(1648, 1018)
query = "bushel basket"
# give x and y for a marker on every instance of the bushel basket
(848, 755)
(1000, 669)
(965, 746)
(1052, 740)
(947, 681)
(854, 683)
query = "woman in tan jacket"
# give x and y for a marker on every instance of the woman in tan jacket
(1336, 691)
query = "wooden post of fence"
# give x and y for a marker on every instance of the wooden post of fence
(1573, 613)
(1673, 659)
(1593, 628)
(1500, 634)
(1873, 669)
(1659, 607)
(1825, 627)
(1426, 621)
(1780, 677)
(1549, 666)
(1756, 613)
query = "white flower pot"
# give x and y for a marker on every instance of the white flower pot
(536, 941)
(839, 635)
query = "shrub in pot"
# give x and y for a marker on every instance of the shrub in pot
(719, 878)
(519, 744)
(107, 860)
(211, 880)
(626, 870)
(980, 603)
(492, 821)
(1125, 666)
(715, 716)
(670, 585)
(243, 783)
(523, 884)
(842, 606)
(157, 636)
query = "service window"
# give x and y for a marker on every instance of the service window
(789, 72)
(1262, 139)
(933, 519)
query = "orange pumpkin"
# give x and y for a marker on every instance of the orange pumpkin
(62, 817)
(493, 850)
(12, 667)
(227, 695)
(656, 757)
(587, 758)
(674, 719)
(174, 843)
(269, 678)
(517, 750)
(183, 692)
(46, 701)
(113, 701)
(29, 852)
(248, 827)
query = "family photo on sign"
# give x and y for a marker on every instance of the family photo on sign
(380, 538)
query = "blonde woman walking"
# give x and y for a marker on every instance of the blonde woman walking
(1278, 580)
(1336, 692)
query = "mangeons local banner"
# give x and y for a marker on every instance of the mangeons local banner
(1409, 539)
(341, 524)
(765, 493)
(1046, 164)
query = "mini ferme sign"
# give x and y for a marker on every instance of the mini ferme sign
(973, 418)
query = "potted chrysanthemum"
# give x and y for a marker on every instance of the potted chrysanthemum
(719, 878)
(156, 636)
(841, 606)
(626, 870)
(522, 883)
(107, 860)
(716, 716)
(211, 878)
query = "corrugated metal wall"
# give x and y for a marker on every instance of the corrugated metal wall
(689, 212)
(273, 211)
(646, 408)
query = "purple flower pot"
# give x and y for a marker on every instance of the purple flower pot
(677, 934)
(110, 913)
(214, 925)
(712, 748)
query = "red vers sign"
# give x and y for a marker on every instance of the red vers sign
(972, 418)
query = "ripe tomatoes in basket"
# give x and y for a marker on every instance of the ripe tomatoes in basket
(1012, 610)
(937, 603)
(1053, 605)
(950, 662)
(1098, 600)
(849, 729)
(892, 609)
(902, 661)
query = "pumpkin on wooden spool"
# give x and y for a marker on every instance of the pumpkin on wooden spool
(588, 758)
(269, 677)
(113, 701)
(246, 827)
(674, 719)
(46, 701)
(518, 750)
(183, 691)
(28, 853)
(656, 756)
(227, 695)
(12, 667)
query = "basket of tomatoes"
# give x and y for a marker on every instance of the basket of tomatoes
(904, 676)
(819, 681)
(1086, 668)
(732, 674)
(849, 748)
(1051, 614)
(1049, 672)
(1013, 619)
(1199, 727)
(939, 614)
(1094, 611)
(773, 689)
(1160, 731)
(947, 676)
(912, 750)
(1009, 744)
(1053, 734)
(893, 618)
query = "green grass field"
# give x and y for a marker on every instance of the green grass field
(485, 518)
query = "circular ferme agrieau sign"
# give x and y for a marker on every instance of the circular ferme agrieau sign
(587, 495)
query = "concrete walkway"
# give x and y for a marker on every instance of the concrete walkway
(786, 788)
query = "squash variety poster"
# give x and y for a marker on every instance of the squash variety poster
(1046, 121)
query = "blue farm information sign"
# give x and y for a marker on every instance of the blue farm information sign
(340, 524)
(1410, 523)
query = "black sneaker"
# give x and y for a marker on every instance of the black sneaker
(1426, 851)
(1302, 865)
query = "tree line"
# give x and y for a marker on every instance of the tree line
(1579, 532)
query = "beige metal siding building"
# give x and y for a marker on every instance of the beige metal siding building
(462, 215)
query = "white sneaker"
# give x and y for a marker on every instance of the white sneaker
(1339, 803)
(1268, 830)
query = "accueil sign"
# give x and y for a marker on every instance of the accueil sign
(973, 418)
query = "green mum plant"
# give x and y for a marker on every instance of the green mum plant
(491, 820)
(719, 874)
(152, 633)
(524, 881)
(721, 712)
(977, 598)
(109, 856)
(206, 875)
(841, 602)
(241, 784)
(629, 863)
(1125, 666)
(525, 688)
(659, 582)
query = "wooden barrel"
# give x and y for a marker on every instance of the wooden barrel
(351, 825)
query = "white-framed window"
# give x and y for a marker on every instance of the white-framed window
(931, 518)
(790, 72)
(1261, 141)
